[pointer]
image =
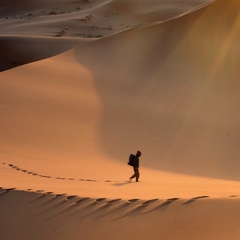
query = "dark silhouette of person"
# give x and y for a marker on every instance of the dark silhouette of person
(136, 167)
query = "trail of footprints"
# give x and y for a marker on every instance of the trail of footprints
(47, 176)
(48, 205)
(70, 205)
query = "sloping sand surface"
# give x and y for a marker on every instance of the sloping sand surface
(52, 216)
(178, 96)
(153, 76)
(61, 25)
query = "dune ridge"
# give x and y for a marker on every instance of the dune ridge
(75, 22)
(155, 183)
(59, 215)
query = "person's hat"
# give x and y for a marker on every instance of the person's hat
(139, 153)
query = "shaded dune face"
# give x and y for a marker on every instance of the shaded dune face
(50, 214)
(38, 30)
(34, 31)
(172, 90)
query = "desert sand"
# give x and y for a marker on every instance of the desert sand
(85, 83)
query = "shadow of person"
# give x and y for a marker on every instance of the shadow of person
(121, 184)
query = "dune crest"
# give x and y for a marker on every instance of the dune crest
(58, 216)
(61, 25)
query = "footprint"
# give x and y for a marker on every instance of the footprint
(114, 200)
(70, 197)
(131, 210)
(81, 200)
(161, 205)
(43, 195)
(100, 199)
(5, 191)
(49, 193)
(194, 199)
(40, 191)
(133, 200)
(87, 204)
(9, 189)
(150, 201)
(61, 194)
(60, 178)
(90, 180)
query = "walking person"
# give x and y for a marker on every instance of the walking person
(135, 164)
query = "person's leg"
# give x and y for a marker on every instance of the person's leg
(137, 174)
(133, 176)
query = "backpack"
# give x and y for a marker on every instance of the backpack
(131, 159)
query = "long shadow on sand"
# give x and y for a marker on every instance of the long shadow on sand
(120, 184)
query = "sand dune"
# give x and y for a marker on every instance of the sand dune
(155, 76)
(61, 25)
(85, 183)
(175, 102)
(20, 50)
(177, 96)
(59, 216)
